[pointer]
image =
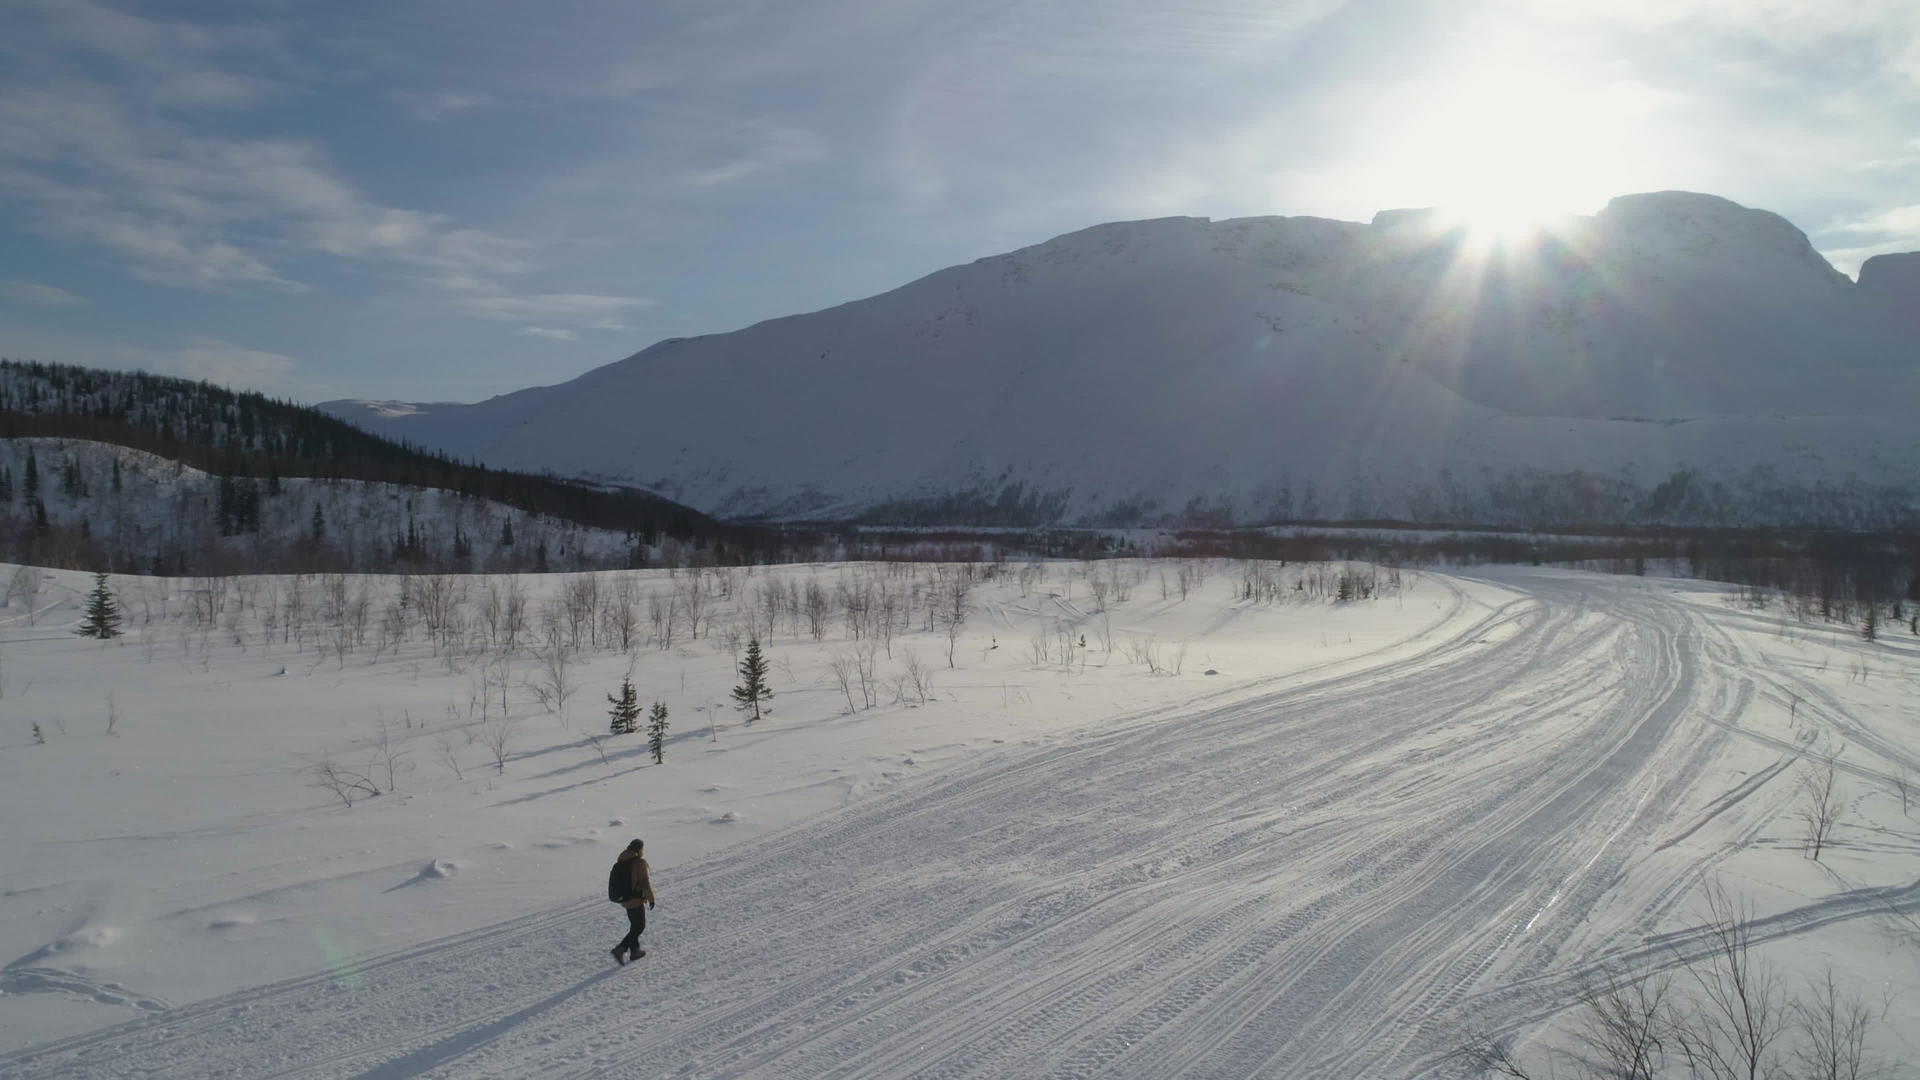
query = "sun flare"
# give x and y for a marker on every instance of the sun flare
(1491, 222)
(1506, 144)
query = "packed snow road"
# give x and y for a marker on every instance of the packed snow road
(1331, 876)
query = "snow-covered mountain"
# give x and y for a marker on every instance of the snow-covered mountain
(1675, 357)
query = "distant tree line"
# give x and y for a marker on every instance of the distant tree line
(252, 442)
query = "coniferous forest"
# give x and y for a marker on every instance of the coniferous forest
(256, 449)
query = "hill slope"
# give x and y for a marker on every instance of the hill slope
(1675, 357)
(140, 471)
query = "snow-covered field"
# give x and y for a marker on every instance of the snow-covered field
(1282, 836)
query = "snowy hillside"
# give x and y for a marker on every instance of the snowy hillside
(1123, 819)
(1675, 358)
(241, 454)
(97, 505)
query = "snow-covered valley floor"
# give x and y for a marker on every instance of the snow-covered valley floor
(1380, 828)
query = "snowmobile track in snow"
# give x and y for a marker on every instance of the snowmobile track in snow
(1334, 874)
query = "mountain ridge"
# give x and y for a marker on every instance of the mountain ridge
(1153, 371)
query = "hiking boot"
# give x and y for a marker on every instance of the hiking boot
(620, 956)
(638, 953)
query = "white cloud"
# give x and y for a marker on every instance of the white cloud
(583, 308)
(214, 90)
(1883, 232)
(227, 364)
(441, 104)
(1901, 220)
(96, 158)
(152, 44)
(32, 292)
(1848, 260)
(550, 333)
(769, 149)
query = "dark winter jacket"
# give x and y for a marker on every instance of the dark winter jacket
(642, 888)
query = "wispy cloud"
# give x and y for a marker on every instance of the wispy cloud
(32, 292)
(228, 364)
(441, 104)
(580, 308)
(170, 202)
(550, 333)
(766, 148)
(1882, 233)
(1899, 221)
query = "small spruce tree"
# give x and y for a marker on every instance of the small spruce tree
(103, 614)
(753, 687)
(625, 711)
(657, 732)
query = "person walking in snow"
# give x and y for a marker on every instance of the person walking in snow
(627, 884)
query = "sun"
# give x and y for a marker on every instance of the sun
(1493, 222)
(1505, 144)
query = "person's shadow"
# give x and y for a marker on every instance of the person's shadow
(464, 1042)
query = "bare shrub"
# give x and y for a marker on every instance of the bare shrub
(1621, 1033)
(865, 659)
(953, 609)
(345, 784)
(1039, 647)
(1729, 1018)
(554, 680)
(390, 757)
(919, 677)
(693, 593)
(814, 603)
(1833, 1029)
(842, 667)
(621, 615)
(1189, 575)
(1819, 803)
(25, 584)
(497, 737)
(1145, 651)
(1739, 1010)
(661, 616)
(580, 601)
(887, 617)
(450, 756)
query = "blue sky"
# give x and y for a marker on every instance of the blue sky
(449, 199)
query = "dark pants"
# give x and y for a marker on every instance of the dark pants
(636, 922)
